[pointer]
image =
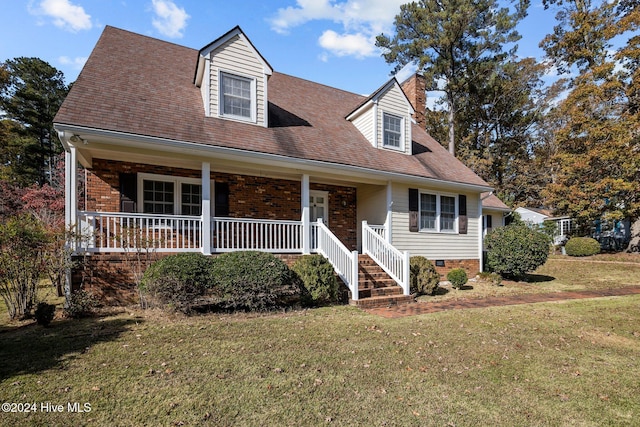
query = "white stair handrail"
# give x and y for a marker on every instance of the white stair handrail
(392, 261)
(345, 262)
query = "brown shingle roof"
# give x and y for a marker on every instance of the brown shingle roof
(491, 201)
(140, 85)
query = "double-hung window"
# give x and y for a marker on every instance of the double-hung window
(438, 212)
(392, 131)
(170, 195)
(237, 96)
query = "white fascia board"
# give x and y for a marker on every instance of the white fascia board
(361, 110)
(184, 147)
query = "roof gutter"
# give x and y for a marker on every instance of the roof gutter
(165, 144)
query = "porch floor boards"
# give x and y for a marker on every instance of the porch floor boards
(375, 288)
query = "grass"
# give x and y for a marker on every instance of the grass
(560, 273)
(572, 363)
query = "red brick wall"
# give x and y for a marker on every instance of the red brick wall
(471, 266)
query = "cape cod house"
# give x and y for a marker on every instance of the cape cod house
(212, 150)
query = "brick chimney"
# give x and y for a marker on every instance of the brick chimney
(415, 88)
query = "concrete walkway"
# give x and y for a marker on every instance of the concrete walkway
(433, 307)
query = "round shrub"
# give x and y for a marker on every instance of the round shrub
(424, 278)
(318, 278)
(457, 277)
(81, 304)
(516, 249)
(177, 280)
(44, 313)
(582, 246)
(253, 281)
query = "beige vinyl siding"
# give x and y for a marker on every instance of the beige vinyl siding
(430, 244)
(235, 57)
(364, 123)
(372, 206)
(394, 102)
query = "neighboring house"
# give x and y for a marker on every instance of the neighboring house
(214, 151)
(535, 216)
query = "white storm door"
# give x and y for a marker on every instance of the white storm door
(319, 206)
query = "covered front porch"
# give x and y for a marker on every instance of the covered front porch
(229, 212)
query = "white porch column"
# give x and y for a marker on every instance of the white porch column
(387, 222)
(71, 187)
(306, 226)
(480, 232)
(70, 207)
(206, 208)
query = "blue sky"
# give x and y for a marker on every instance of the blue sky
(326, 41)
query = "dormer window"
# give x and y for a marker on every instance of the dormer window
(392, 131)
(238, 96)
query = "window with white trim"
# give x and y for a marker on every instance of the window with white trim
(237, 96)
(438, 212)
(392, 131)
(169, 195)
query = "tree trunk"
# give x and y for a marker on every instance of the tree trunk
(451, 122)
(634, 243)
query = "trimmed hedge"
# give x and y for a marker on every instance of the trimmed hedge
(582, 246)
(177, 280)
(516, 249)
(318, 278)
(253, 281)
(424, 278)
(457, 277)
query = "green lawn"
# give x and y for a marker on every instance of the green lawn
(557, 364)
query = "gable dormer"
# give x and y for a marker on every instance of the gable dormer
(233, 76)
(384, 118)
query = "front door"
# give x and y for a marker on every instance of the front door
(318, 206)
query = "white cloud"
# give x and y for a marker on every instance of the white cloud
(358, 45)
(65, 14)
(361, 21)
(77, 62)
(170, 20)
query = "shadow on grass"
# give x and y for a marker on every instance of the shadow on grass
(441, 291)
(537, 278)
(30, 349)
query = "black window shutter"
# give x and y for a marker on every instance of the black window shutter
(462, 214)
(489, 221)
(128, 192)
(462, 204)
(221, 207)
(413, 209)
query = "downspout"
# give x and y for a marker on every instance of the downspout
(480, 232)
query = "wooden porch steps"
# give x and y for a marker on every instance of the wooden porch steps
(375, 287)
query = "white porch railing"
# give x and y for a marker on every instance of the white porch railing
(345, 262)
(124, 232)
(394, 262)
(237, 234)
(379, 229)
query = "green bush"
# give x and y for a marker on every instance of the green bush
(81, 304)
(457, 277)
(488, 276)
(424, 278)
(318, 278)
(44, 313)
(23, 241)
(253, 281)
(515, 250)
(582, 246)
(177, 280)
